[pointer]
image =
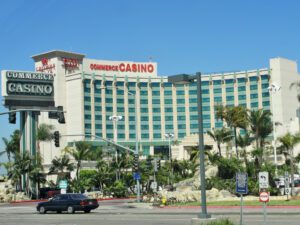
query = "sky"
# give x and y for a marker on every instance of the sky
(182, 36)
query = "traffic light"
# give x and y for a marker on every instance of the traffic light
(56, 138)
(158, 164)
(60, 114)
(136, 163)
(12, 117)
(149, 163)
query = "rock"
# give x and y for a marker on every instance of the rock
(2, 178)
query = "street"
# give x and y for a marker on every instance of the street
(122, 212)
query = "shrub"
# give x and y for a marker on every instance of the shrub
(220, 222)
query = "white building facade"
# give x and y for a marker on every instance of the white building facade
(91, 91)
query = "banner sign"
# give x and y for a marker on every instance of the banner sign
(22, 88)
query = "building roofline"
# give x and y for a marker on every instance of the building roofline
(57, 53)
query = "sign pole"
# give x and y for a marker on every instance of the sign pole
(241, 217)
(265, 212)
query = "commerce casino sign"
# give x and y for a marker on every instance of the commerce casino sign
(23, 89)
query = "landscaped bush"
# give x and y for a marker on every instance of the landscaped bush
(220, 222)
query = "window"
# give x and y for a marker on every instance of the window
(253, 87)
(265, 94)
(193, 92)
(155, 93)
(181, 109)
(218, 99)
(241, 88)
(229, 89)
(143, 93)
(156, 127)
(241, 80)
(216, 82)
(168, 93)
(230, 98)
(253, 78)
(144, 118)
(242, 97)
(156, 118)
(253, 96)
(217, 90)
(144, 101)
(168, 101)
(156, 110)
(179, 92)
(155, 101)
(120, 101)
(180, 101)
(144, 110)
(229, 81)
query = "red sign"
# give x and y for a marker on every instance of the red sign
(46, 67)
(70, 63)
(264, 196)
(125, 67)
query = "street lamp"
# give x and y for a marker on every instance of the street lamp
(136, 142)
(115, 120)
(184, 79)
(273, 88)
(169, 136)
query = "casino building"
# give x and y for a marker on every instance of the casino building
(92, 90)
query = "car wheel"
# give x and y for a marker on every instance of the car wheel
(87, 211)
(42, 210)
(70, 209)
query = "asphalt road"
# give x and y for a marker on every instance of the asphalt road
(123, 213)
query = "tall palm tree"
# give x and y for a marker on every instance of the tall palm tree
(81, 152)
(260, 125)
(235, 117)
(12, 145)
(220, 136)
(289, 141)
(61, 165)
(243, 141)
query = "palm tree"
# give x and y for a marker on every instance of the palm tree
(61, 165)
(11, 146)
(260, 125)
(44, 132)
(243, 141)
(288, 142)
(81, 152)
(220, 136)
(235, 117)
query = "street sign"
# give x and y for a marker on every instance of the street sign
(136, 175)
(263, 180)
(154, 185)
(264, 196)
(63, 184)
(241, 183)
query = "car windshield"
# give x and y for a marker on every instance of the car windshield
(78, 196)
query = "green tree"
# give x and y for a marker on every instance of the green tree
(61, 166)
(220, 136)
(235, 117)
(260, 125)
(243, 141)
(81, 152)
(289, 141)
(12, 145)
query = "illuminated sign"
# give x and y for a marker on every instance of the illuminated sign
(125, 67)
(46, 66)
(21, 88)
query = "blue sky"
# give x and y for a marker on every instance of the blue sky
(182, 36)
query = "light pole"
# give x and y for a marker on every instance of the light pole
(136, 142)
(273, 88)
(185, 79)
(115, 120)
(169, 136)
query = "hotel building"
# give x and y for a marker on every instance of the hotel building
(91, 91)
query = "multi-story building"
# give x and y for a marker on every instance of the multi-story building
(91, 91)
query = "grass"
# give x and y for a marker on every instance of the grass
(245, 203)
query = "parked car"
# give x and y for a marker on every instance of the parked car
(69, 203)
